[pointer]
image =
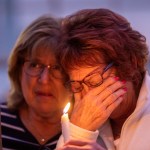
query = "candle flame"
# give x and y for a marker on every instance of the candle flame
(66, 107)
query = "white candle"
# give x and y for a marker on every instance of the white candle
(65, 123)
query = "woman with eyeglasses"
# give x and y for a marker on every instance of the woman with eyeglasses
(30, 120)
(106, 62)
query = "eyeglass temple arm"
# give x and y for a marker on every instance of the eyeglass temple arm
(109, 66)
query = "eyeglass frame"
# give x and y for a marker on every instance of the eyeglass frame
(49, 67)
(68, 84)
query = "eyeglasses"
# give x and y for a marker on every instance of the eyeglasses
(93, 79)
(34, 69)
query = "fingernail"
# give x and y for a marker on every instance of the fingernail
(116, 78)
(123, 81)
(125, 89)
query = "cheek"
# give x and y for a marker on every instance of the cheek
(26, 85)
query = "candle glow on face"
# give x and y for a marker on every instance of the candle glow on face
(66, 108)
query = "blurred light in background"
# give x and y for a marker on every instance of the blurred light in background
(17, 14)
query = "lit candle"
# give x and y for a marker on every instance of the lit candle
(65, 123)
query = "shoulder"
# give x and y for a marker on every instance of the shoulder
(3, 104)
(5, 112)
(3, 107)
(10, 120)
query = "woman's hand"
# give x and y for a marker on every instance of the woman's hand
(81, 145)
(93, 107)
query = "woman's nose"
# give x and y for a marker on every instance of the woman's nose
(45, 76)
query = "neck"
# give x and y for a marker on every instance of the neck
(50, 118)
(42, 128)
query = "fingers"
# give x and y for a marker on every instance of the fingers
(110, 95)
(110, 91)
(110, 108)
(111, 98)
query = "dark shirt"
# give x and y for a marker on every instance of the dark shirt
(15, 135)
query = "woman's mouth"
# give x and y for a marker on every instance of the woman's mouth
(44, 94)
